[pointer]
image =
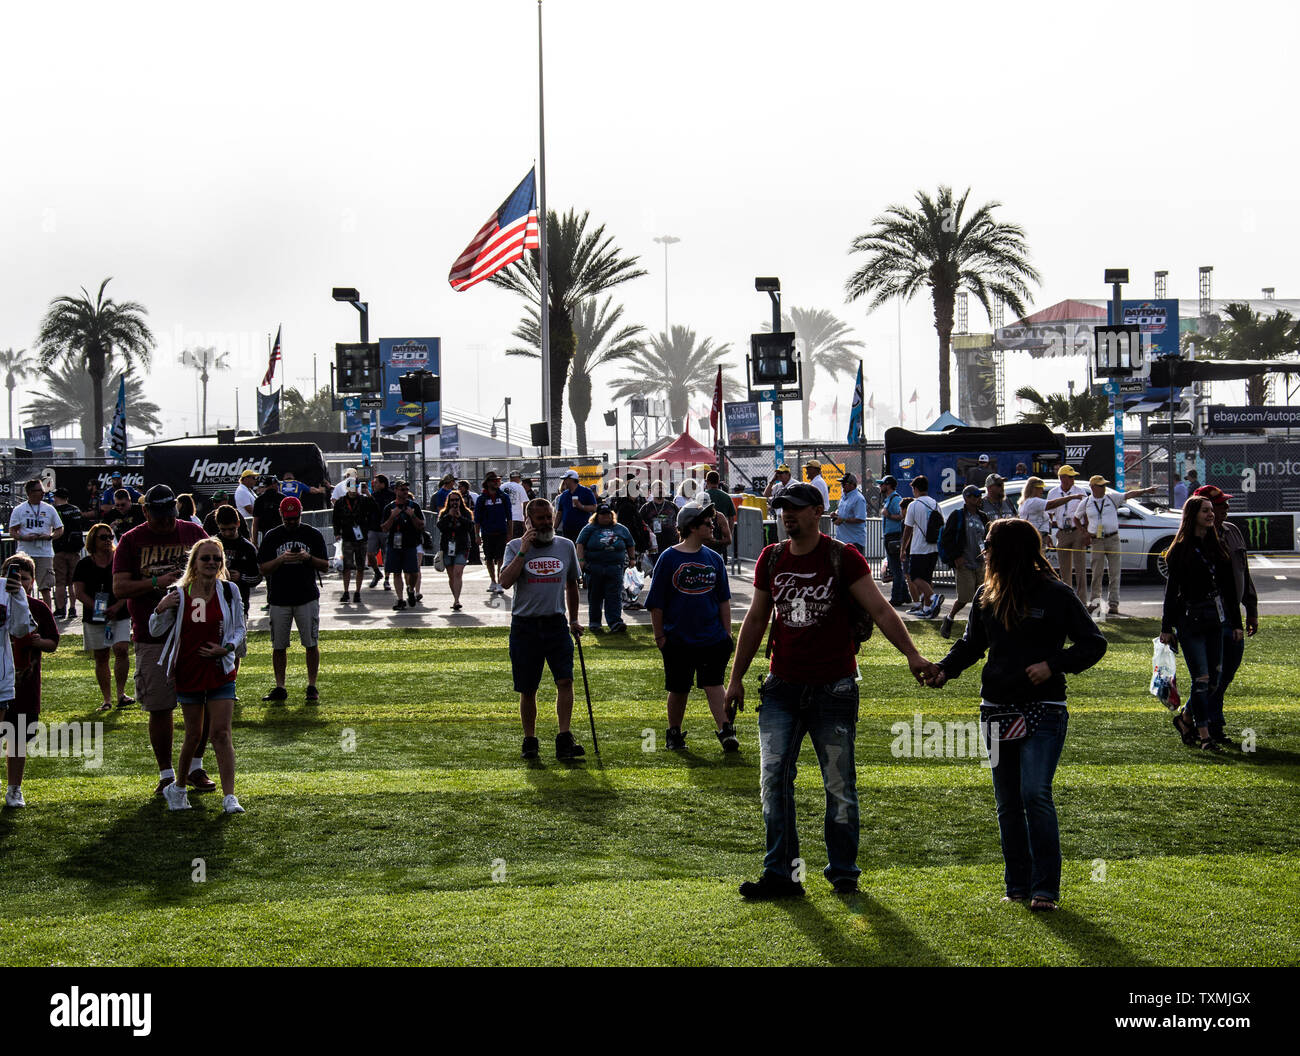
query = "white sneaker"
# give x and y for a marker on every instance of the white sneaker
(231, 805)
(14, 798)
(176, 796)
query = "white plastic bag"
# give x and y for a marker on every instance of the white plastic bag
(1164, 675)
(632, 584)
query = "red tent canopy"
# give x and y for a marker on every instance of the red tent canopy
(685, 449)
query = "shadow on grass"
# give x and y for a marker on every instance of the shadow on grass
(152, 847)
(1286, 762)
(1094, 945)
(896, 943)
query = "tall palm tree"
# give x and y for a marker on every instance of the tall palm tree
(303, 413)
(17, 367)
(1246, 334)
(90, 333)
(595, 343)
(1077, 412)
(204, 360)
(939, 247)
(69, 398)
(580, 264)
(824, 343)
(678, 366)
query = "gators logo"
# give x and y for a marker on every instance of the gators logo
(695, 578)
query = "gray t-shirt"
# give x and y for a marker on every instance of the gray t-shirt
(975, 533)
(539, 590)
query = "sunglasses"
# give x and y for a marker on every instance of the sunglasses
(216, 558)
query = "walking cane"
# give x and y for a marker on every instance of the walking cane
(587, 689)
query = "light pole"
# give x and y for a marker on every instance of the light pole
(666, 240)
(504, 418)
(611, 418)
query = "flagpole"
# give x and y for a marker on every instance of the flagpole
(542, 269)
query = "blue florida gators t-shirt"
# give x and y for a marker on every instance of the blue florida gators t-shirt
(689, 588)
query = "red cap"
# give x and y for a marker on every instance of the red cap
(1212, 492)
(290, 507)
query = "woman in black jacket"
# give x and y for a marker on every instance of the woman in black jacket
(458, 533)
(1022, 616)
(1201, 607)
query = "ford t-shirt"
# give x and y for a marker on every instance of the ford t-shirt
(812, 638)
(689, 588)
(539, 590)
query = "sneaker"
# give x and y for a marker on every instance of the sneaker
(346, 597)
(935, 606)
(593, 628)
(566, 747)
(230, 804)
(374, 582)
(674, 739)
(14, 797)
(200, 782)
(846, 885)
(916, 610)
(532, 748)
(313, 695)
(728, 739)
(456, 606)
(619, 628)
(1112, 610)
(163, 782)
(945, 628)
(399, 606)
(769, 887)
(72, 612)
(278, 694)
(356, 597)
(387, 585)
(411, 599)
(60, 614)
(176, 797)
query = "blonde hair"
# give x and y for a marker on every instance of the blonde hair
(191, 569)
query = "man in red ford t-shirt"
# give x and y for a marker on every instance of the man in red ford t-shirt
(811, 688)
(148, 560)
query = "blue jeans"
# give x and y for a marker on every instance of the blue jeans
(1233, 653)
(898, 593)
(1203, 652)
(605, 585)
(1022, 787)
(829, 715)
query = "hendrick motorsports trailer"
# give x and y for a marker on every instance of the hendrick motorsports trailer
(205, 469)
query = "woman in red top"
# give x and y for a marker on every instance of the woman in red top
(203, 619)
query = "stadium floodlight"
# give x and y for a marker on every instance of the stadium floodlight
(767, 284)
(346, 293)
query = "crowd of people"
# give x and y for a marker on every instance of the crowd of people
(159, 587)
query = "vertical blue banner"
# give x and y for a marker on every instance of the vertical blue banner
(1112, 390)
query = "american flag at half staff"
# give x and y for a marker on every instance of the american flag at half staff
(502, 240)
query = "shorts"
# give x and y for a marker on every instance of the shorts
(354, 555)
(968, 581)
(44, 572)
(494, 546)
(65, 564)
(922, 566)
(95, 635)
(539, 640)
(154, 688)
(455, 559)
(374, 543)
(306, 616)
(706, 664)
(405, 560)
(225, 691)
(11, 712)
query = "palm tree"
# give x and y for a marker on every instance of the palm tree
(937, 246)
(17, 367)
(580, 264)
(89, 333)
(300, 413)
(69, 399)
(678, 365)
(204, 360)
(823, 342)
(593, 346)
(1076, 412)
(1246, 334)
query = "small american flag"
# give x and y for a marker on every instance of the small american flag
(502, 240)
(275, 358)
(1014, 731)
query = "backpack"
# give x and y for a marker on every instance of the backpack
(860, 620)
(933, 526)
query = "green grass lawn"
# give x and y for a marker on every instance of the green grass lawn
(385, 853)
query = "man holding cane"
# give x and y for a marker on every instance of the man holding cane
(543, 569)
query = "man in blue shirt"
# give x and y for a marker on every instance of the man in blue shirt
(690, 607)
(891, 514)
(492, 515)
(575, 506)
(850, 516)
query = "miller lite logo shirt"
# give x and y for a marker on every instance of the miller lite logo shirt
(689, 588)
(812, 634)
(41, 519)
(548, 568)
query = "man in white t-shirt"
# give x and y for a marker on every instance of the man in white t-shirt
(1071, 541)
(1034, 508)
(917, 554)
(518, 495)
(813, 470)
(1098, 518)
(244, 494)
(341, 488)
(35, 524)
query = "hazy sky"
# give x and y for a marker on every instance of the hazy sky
(228, 164)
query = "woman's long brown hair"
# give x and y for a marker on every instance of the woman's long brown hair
(1013, 562)
(1185, 540)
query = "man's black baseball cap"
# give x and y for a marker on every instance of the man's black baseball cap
(797, 496)
(160, 498)
(889, 479)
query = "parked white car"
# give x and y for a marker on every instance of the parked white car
(1144, 532)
